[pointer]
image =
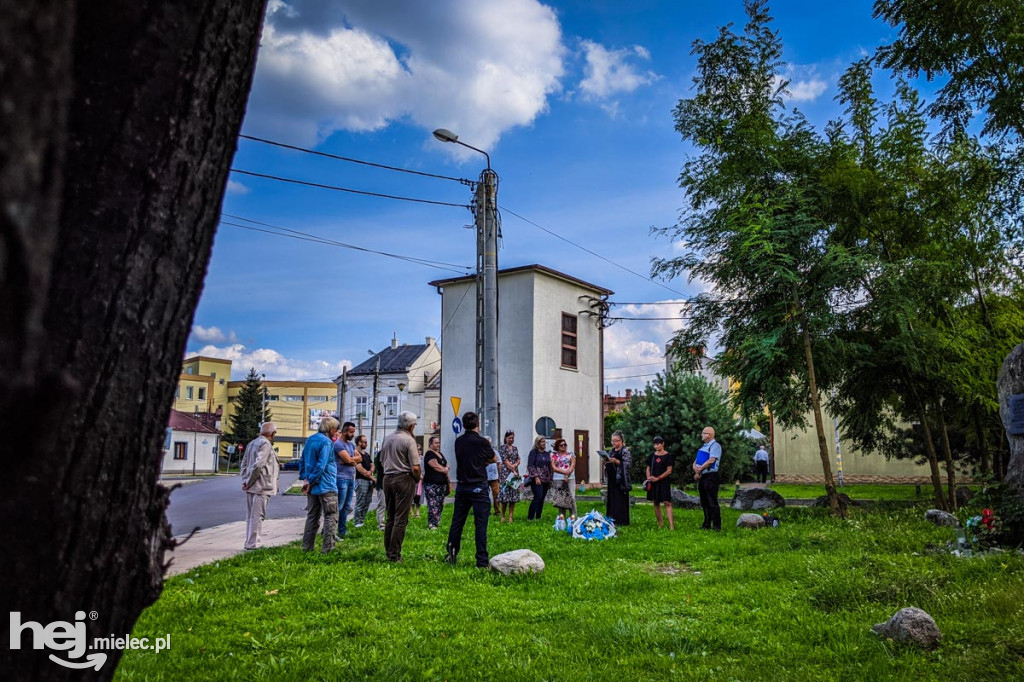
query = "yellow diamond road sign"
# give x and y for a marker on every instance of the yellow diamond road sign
(456, 402)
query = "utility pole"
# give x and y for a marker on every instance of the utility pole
(263, 402)
(489, 258)
(373, 407)
(341, 394)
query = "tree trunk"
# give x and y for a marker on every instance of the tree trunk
(933, 458)
(979, 435)
(834, 502)
(119, 126)
(948, 454)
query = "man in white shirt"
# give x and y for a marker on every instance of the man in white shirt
(761, 464)
(260, 471)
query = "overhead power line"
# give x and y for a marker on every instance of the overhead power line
(335, 188)
(463, 181)
(642, 364)
(306, 236)
(592, 253)
(633, 376)
(646, 319)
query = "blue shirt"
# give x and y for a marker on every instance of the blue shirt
(317, 465)
(709, 450)
(346, 472)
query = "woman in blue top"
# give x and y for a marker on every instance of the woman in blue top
(705, 472)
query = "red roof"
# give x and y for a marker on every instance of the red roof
(182, 421)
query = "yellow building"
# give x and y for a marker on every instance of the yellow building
(296, 407)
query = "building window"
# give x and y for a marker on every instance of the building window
(568, 341)
(292, 398)
(177, 391)
(213, 375)
(189, 392)
(190, 370)
(202, 393)
(392, 383)
(273, 397)
(392, 405)
(319, 398)
(296, 450)
(361, 404)
(181, 451)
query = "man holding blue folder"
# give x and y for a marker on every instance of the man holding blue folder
(705, 472)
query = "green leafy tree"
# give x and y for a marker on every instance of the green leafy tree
(977, 44)
(757, 234)
(677, 406)
(613, 423)
(248, 414)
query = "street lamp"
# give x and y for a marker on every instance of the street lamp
(486, 210)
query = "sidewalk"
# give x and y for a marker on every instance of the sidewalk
(223, 542)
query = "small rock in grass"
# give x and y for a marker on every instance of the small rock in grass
(941, 518)
(750, 521)
(910, 625)
(517, 561)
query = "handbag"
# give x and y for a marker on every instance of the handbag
(562, 497)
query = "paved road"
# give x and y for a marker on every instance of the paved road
(215, 500)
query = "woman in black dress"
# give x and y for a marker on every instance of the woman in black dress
(616, 475)
(659, 488)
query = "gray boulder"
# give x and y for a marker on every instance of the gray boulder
(681, 500)
(823, 501)
(750, 521)
(756, 498)
(518, 561)
(910, 626)
(941, 518)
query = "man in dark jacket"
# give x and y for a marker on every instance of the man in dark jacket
(472, 455)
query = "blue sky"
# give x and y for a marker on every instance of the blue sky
(573, 101)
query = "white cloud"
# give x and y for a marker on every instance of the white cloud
(235, 187)
(212, 335)
(475, 68)
(272, 363)
(608, 73)
(805, 85)
(636, 350)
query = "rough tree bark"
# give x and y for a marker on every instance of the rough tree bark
(947, 453)
(1010, 383)
(118, 122)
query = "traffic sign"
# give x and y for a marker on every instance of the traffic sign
(457, 426)
(456, 404)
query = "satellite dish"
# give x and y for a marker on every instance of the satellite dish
(546, 427)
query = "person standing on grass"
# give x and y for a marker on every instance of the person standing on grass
(418, 496)
(538, 468)
(493, 481)
(345, 450)
(616, 474)
(260, 471)
(761, 464)
(473, 453)
(659, 487)
(436, 483)
(705, 472)
(563, 478)
(508, 473)
(378, 489)
(320, 472)
(399, 455)
(364, 481)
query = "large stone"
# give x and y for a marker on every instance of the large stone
(941, 518)
(1011, 383)
(823, 501)
(683, 501)
(756, 498)
(517, 561)
(910, 626)
(750, 521)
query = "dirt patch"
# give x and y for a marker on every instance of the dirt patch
(672, 568)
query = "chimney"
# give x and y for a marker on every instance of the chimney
(394, 341)
(629, 393)
(431, 340)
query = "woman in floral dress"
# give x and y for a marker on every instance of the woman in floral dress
(508, 473)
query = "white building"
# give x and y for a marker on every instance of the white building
(191, 446)
(407, 379)
(550, 360)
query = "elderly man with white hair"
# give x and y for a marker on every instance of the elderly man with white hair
(399, 455)
(260, 471)
(319, 470)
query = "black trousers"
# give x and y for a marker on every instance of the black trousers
(475, 497)
(708, 486)
(537, 505)
(761, 467)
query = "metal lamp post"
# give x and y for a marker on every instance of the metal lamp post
(486, 211)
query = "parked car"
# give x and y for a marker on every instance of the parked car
(291, 465)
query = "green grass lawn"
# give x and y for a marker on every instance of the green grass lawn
(859, 491)
(793, 603)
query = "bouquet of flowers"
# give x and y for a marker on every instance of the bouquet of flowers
(983, 529)
(512, 482)
(593, 526)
